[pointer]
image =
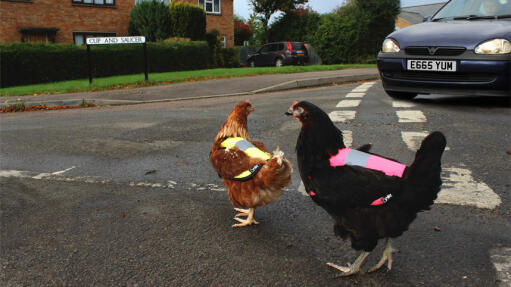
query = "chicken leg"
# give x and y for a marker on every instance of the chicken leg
(351, 268)
(386, 256)
(249, 213)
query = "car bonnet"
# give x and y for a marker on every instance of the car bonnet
(452, 33)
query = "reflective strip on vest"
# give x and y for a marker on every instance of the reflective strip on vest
(245, 146)
(348, 156)
(250, 150)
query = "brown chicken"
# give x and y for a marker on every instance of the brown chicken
(253, 177)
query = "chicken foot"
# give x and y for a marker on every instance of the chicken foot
(386, 256)
(249, 213)
(351, 268)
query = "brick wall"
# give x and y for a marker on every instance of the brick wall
(69, 18)
(223, 22)
(64, 15)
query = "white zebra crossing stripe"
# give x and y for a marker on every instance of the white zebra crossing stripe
(402, 104)
(501, 259)
(413, 140)
(342, 116)
(460, 188)
(411, 116)
(361, 89)
(348, 103)
(355, 95)
(347, 138)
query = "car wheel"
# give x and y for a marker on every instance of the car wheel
(251, 63)
(278, 62)
(401, 95)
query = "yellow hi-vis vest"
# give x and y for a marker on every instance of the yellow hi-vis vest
(250, 150)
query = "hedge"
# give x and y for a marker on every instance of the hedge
(187, 20)
(32, 63)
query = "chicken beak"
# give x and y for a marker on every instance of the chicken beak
(289, 113)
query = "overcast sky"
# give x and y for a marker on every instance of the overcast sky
(243, 9)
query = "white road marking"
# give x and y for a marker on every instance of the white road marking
(41, 175)
(402, 104)
(348, 104)
(460, 188)
(411, 116)
(342, 116)
(347, 138)
(501, 259)
(361, 89)
(355, 95)
(414, 139)
(370, 84)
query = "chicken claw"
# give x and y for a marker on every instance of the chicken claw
(249, 213)
(277, 153)
(387, 255)
(351, 268)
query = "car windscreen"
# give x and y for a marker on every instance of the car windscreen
(473, 10)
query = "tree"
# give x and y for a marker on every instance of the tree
(149, 19)
(296, 25)
(187, 20)
(242, 31)
(355, 31)
(266, 8)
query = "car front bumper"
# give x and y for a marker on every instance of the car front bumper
(474, 77)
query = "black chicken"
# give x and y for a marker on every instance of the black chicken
(369, 196)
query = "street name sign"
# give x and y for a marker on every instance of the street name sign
(116, 40)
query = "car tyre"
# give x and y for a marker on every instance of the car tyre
(279, 62)
(401, 95)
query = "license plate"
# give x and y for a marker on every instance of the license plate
(300, 54)
(431, 65)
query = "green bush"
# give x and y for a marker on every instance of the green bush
(187, 20)
(230, 57)
(214, 44)
(150, 19)
(27, 63)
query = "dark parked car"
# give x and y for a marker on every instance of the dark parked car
(279, 54)
(464, 49)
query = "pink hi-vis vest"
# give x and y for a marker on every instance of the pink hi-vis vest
(348, 156)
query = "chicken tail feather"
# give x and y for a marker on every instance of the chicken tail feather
(423, 176)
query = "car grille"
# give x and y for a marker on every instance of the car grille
(435, 51)
(439, 77)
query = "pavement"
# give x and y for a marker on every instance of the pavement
(205, 89)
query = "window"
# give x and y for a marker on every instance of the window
(81, 37)
(223, 40)
(95, 2)
(210, 6)
(36, 34)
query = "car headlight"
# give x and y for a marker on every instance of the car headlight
(495, 46)
(390, 46)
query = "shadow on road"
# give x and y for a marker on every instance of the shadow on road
(483, 102)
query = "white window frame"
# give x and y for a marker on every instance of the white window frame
(223, 40)
(212, 2)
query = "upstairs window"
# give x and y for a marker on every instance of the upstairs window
(95, 2)
(210, 6)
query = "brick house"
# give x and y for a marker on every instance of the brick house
(72, 21)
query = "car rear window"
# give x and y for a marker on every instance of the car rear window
(297, 46)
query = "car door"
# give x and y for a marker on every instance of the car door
(264, 55)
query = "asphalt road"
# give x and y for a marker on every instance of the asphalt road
(126, 195)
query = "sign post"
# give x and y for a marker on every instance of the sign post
(116, 40)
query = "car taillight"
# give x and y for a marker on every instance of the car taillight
(290, 47)
(306, 47)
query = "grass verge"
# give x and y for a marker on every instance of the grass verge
(136, 81)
